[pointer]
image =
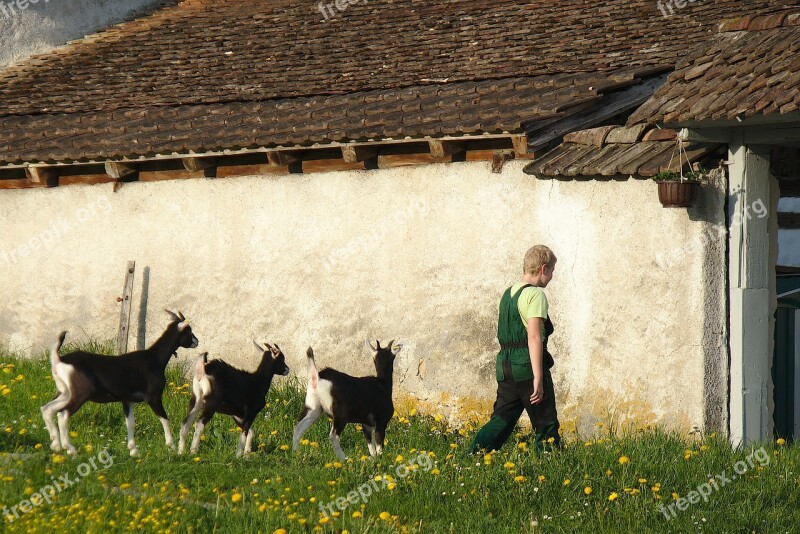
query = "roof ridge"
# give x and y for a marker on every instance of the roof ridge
(751, 23)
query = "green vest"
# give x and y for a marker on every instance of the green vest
(513, 338)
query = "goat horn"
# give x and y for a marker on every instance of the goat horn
(259, 347)
(172, 314)
(389, 346)
(369, 344)
(181, 315)
(277, 349)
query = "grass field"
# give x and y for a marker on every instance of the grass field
(424, 481)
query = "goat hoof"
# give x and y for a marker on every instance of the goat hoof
(55, 447)
(134, 452)
(72, 451)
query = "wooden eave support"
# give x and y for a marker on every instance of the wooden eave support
(42, 176)
(443, 149)
(120, 171)
(357, 154)
(198, 164)
(380, 154)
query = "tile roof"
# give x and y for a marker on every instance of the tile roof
(617, 151)
(750, 68)
(202, 74)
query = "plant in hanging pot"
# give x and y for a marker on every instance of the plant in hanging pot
(678, 190)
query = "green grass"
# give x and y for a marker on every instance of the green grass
(273, 488)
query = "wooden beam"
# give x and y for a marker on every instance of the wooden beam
(85, 179)
(20, 183)
(499, 160)
(789, 221)
(198, 164)
(42, 175)
(443, 149)
(329, 165)
(174, 174)
(125, 311)
(357, 154)
(749, 294)
(613, 104)
(119, 170)
(284, 158)
(388, 161)
(520, 144)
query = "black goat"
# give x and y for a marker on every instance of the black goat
(348, 399)
(220, 387)
(133, 377)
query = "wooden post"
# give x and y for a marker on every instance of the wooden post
(125, 312)
(749, 272)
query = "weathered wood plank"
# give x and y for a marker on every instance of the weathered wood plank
(357, 154)
(125, 311)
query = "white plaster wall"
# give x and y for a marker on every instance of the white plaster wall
(30, 27)
(421, 254)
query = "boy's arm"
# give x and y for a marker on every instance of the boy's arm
(536, 350)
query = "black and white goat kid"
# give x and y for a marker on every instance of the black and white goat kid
(133, 377)
(348, 399)
(220, 387)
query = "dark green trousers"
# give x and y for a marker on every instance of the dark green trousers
(512, 399)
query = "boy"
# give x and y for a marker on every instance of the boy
(523, 363)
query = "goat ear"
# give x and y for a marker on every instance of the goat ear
(181, 315)
(276, 350)
(173, 315)
(259, 348)
(370, 347)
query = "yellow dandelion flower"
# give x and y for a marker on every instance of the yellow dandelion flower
(509, 465)
(314, 444)
(520, 478)
(587, 490)
(675, 496)
(236, 497)
(280, 531)
(304, 441)
(567, 482)
(399, 458)
(57, 459)
(391, 486)
(356, 514)
(124, 486)
(385, 515)
(608, 472)
(435, 471)
(642, 481)
(624, 460)
(284, 447)
(541, 478)
(323, 520)
(522, 445)
(454, 445)
(613, 497)
(781, 441)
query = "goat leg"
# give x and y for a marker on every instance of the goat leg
(127, 409)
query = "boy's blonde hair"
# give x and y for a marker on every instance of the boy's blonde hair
(537, 256)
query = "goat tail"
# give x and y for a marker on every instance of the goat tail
(313, 374)
(200, 366)
(55, 351)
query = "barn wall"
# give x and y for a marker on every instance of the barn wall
(36, 26)
(421, 254)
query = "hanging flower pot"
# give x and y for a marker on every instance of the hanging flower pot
(679, 189)
(676, 193)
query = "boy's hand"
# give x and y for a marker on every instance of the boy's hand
(537, 396)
